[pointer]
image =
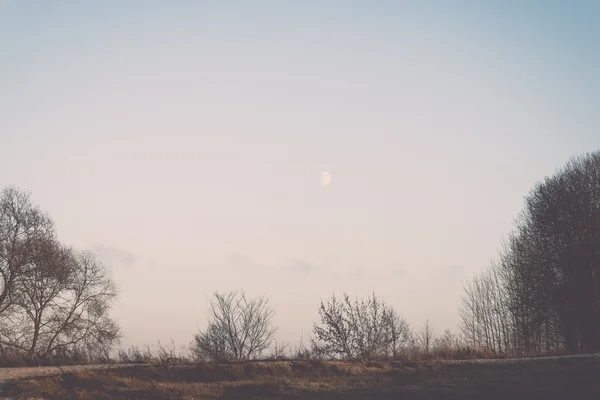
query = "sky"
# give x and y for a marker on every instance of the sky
(185, 142)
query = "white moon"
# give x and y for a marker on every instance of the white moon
(325, 178)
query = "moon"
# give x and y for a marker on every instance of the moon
(325, 178)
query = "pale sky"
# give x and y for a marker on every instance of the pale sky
(185, 142)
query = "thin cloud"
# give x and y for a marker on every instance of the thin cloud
(240, 261)
(299, 265)
(114, 256)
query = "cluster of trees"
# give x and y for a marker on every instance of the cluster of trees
(543, 295)
(368, 329)
(54, 300)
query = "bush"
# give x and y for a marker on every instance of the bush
(360, 330)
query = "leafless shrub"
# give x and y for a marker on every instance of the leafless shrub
(136, 355)
(446, 346)
(280, 351)
(301, 352)
(167, 355)
(162, 355)
(238, 329)
(360, 330)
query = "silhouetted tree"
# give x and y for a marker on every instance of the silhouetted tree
(398, 334)
(543, 295)
(22, 227)
(359, 330)
(564, 227)
(426, 337)
(61, 306)
(238, 328)
(54, 301)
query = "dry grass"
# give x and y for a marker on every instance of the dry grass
(548, 379)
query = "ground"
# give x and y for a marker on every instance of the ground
(547, 379)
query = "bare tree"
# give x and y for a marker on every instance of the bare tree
(335, 336)
(54, 301)
(485, 312)
(426, 337)
(22, 226)
(399, 334)
(61, 306)
(238, 328)
(359, 330)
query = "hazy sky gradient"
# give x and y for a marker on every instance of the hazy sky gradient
(184, 142)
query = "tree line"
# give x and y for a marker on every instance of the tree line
(543, 294)
(540, 297)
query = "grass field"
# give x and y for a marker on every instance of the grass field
(548, 379)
